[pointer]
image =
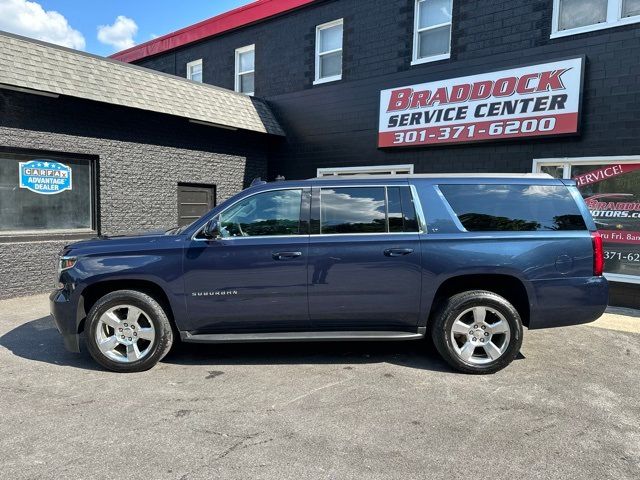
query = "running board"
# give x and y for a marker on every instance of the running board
(299, 337)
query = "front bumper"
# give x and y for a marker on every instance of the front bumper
(65, 312)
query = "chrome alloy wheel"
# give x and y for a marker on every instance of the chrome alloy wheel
(125, 334)
(480, 335)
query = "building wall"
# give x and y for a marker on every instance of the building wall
(141, 158)
(335, 124)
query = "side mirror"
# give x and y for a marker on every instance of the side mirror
(212, 229)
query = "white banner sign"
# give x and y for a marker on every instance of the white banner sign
(538, 100)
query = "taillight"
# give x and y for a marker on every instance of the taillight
(598, 254)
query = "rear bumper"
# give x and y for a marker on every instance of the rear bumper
(568, 301)
(64, 311)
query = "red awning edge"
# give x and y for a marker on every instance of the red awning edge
(239, 17)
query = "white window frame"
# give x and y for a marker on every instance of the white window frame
(416, 36)
(238, 74)
(193, 64)
(614, 19)
(373, 170)
(318, 80)
(566, 163)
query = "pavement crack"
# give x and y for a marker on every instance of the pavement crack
(241, 444)
(311, 392)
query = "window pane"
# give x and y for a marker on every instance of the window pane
(514, 207)
(246, 60)
(614, 201)
(269, 213)
(247, 84)
(330, 38)
(195, 73)
(409, 211)
(556, 171)
(579, 13)
(352, 210)
(434, 42)
(434, 12)
(396, 223)
(24, 210)
(630, 8)
(402, 213)
(331, 65)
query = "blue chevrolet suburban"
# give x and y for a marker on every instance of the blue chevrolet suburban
(466, 260)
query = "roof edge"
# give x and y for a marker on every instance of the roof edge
(236, 18)
(265, 121)
(55, 46)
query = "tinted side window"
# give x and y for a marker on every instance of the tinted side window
(264, 214)
(402, 212)
(353, 210)
(483, 208)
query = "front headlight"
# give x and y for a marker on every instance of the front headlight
(66, 263)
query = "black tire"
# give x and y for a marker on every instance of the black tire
(456, 305)
(158, 348)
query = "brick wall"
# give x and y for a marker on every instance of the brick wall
(141, 158)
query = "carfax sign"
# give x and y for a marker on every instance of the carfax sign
(538, 100)
(45, 177)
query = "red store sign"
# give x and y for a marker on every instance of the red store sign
(538, 100)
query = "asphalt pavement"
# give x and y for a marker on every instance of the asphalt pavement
(568, 408)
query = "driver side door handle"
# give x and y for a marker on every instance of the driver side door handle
(286, 255)
(397, 252)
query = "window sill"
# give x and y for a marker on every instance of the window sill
(435, 58)
(596, 27)
(618, 277)
(320, 81)
(46, 236)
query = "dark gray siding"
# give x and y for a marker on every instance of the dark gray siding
(336, 124)
(141, 159)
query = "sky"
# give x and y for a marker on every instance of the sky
(104, 27)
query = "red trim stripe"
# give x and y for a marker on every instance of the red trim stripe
(239, 17)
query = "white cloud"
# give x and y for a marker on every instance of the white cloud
(31, 20)
(120, 34)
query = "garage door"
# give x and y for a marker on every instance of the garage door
(194, 201)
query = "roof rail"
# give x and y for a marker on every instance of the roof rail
(257, 181)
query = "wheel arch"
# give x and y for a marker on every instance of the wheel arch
(508, 286)
(92, 293)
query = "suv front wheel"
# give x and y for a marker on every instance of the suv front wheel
(477, 332)
(128, 331)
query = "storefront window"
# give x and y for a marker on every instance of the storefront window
(611, 190)
(612, 193)
(41, 193)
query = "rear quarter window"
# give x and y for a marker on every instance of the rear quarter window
(494, 208)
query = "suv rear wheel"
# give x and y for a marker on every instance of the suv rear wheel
(477, 332)
(128, 331)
